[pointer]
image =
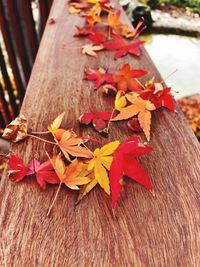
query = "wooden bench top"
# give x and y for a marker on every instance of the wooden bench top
(146, 231)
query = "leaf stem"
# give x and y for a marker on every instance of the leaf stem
(109, 122)
(140, 83)
(88, 149)
(41, 139)
(95, 140)
(168, 76)
(46, 132)
(54, 200)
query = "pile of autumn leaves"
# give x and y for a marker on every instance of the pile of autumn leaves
(84, 167)
(73, 163)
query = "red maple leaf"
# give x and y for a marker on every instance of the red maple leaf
(44, 173)
(18, 169)
(89, 32)
(123, 47)
(99, 120)
(99, 76)
(125, 162)
(134, 125)
(84, 31)
(160, 98)
(97, 37)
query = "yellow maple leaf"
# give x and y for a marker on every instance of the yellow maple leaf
(93, 1)
(113, 20)
(101, 162)
(120, 100)
(139, 107)
(87, 188)
(73, 10)
(55, 125)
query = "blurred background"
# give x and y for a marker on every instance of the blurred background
(172, 39)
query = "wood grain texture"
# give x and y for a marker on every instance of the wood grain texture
(161, 231)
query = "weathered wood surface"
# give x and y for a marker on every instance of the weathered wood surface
(147, 231)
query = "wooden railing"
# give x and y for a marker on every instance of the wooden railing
(21, 37)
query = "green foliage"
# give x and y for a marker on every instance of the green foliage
(184, 3)
(194, 4)
(153, 3)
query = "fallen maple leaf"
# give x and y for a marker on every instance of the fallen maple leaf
(71, 175)
(125, 78)
(91, 49)
(99, 76)
(125, 162)
(120, 100)
(73, 10)
(97, 37)
(123, 47)
(158, 95)
(44, 173)
(81, 4)
(93, 15)
(128, 33)
(99, 120)
(86, 189)
(139, 107)
(54, 127)
(113, 20)
(16, 130)
(70, 144)
(18, 169)
(83, 31)
(101, 164)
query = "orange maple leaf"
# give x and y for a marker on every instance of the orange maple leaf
(70, 144)
(139, 107)
(72, 175)
(113, 20)
(125, 78)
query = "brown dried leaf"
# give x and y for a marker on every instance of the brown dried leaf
(16, 130)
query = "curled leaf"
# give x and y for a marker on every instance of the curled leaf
(16, 130)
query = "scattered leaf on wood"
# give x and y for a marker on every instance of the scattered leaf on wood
(51, 21)
(70, 144)
(16, 130)
(101, 164)
(44, 173)
(91, 49)
(125, 78)
(99, 76)
(139, 107)
(125, 162)
(18, 169)
(123, 47)
(99, 120)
